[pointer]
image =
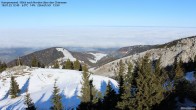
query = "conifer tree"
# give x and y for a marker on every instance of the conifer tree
(90, 96)
(149, 88)
(85, 90)
(110, 99)
(28, 102)
(42, 65)
(3, 66)
(14, 88)
(56, 64)
(126, 102)
(135, 74)
(121, 88)
(129, 75)
(120, 78)
(68, 64)
(38, 64)
(34, 62)
(80, 68)
(179, 73)
(76, 65)
(157, 67)
(121, 70)
(56, 99)
(182, 89)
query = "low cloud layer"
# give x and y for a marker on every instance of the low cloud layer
(91, 36)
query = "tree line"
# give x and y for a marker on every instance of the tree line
(68, 64)
(3, 66)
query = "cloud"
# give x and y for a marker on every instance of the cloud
(91, 36)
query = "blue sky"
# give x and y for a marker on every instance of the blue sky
(178, 13)
(81, 14)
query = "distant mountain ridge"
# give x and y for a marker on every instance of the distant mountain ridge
(50, 55)
(184, 49)
(97, 59)
(45, 56)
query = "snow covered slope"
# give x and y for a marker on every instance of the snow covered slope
(97, 57)
(67, 54)
(40, 85)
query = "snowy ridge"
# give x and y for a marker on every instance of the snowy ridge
(40, 85)
(67, 55)
(97, 57)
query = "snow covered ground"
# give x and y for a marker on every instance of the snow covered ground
(67, 55)
(40, 85)
(97, 57)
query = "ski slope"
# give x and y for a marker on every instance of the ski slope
(40, 86)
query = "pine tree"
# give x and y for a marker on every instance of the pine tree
(42, 65)
(85, 90)
(121, 70)
(90, 96)
(34, 62)
(120, 78)
(135, 74)
(38, 64)
(68, 64)
(110, 99)
(76, 65)
(179, 73)
(80, 68)
(14, 88)
(149, 88)
(56, 99)
(3, 66)
(28, 102)
(126, 102)
(121, 88)
(181, 89)
(56, 64)
(157, 67)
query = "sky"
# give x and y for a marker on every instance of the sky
(97, 23)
